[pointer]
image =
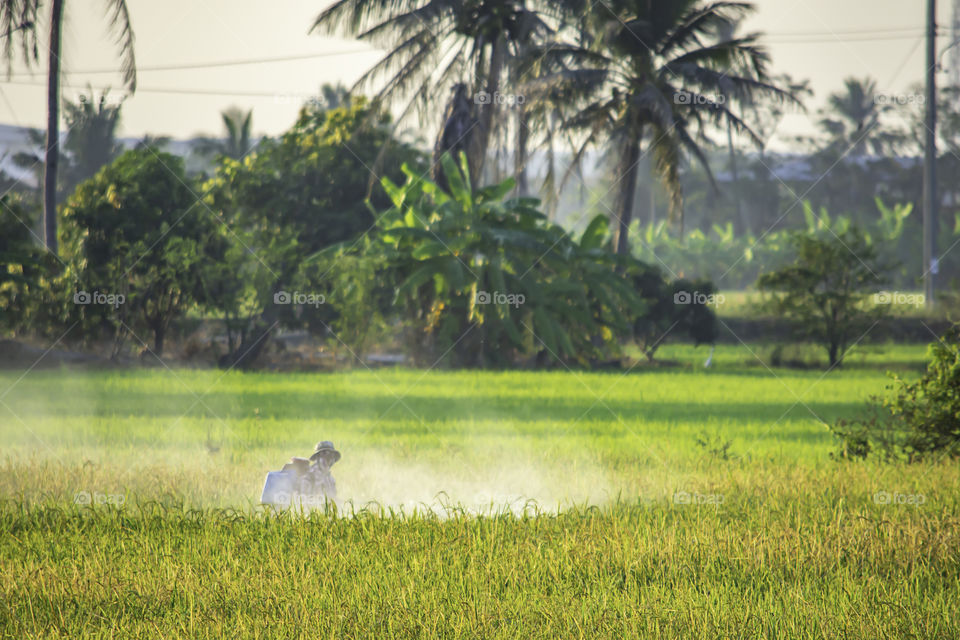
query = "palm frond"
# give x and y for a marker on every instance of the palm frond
(119, 18)
(18, 24)
(700, 21)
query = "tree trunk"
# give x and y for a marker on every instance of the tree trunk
(744, 222)
(834, 350)
(481, 140)
(628, 190)
(159, 332)
(52, 153)
(520, 161)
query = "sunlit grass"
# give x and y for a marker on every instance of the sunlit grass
(673, 501)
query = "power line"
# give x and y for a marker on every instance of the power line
(920, 28)
(844, 40)
(202, 92)
(222, 63)
(893, 33)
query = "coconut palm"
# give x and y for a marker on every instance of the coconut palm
(852, 120)
(91, 140)
(118, 17)
(433, 45)
(237, 139)
(656, 84)
(334, 95)
(18, 26)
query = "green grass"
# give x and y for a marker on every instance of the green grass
(477, 504)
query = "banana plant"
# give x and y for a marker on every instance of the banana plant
(489, 279)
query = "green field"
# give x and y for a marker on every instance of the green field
(670, 501)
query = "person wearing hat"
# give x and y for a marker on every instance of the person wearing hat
(317, 480)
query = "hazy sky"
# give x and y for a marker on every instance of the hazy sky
(823, 40)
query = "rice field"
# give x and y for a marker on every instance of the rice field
(670, 501)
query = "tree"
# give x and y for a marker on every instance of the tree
(135, 230)
(673, 309)
(91, 140)
(119, 19)
(23, 264)
(32, 160)
(290, 198)
(824, 292)
(647, 78)
(237, 138)
(18, 23)
(482, 279)
(334, 95)
(853, 123)
(918, 419)
(434, 46)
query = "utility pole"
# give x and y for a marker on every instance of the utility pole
(954, 64)
(930, 201)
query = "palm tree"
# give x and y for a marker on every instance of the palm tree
(119, 18)
(237, 137)
(852, 120)
(32, 159)
(434, 45)
(334, 95)
(18, 22)
(726, 32)
(91, 140)
(655, 78)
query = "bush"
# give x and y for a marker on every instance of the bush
(824, 292)
(138, 239)
(672, 308)
(25, 270)
(481, 279)
(918, 419)
(291, 198)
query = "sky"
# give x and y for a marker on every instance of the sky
(824, 41)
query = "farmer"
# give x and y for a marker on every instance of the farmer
(317, 481)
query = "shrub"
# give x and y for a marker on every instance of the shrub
(137, 236)
(291, 198)
(824, 292)
(672, 309)
(918, 419)
(25, 270)
(485, 280)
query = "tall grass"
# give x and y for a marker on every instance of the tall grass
(677, 502)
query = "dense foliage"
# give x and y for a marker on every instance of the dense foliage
(735, 260)
(140, 244)
(288, 199)
(824, 291)
(918, 418)
(24, 265)
(482, 279)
